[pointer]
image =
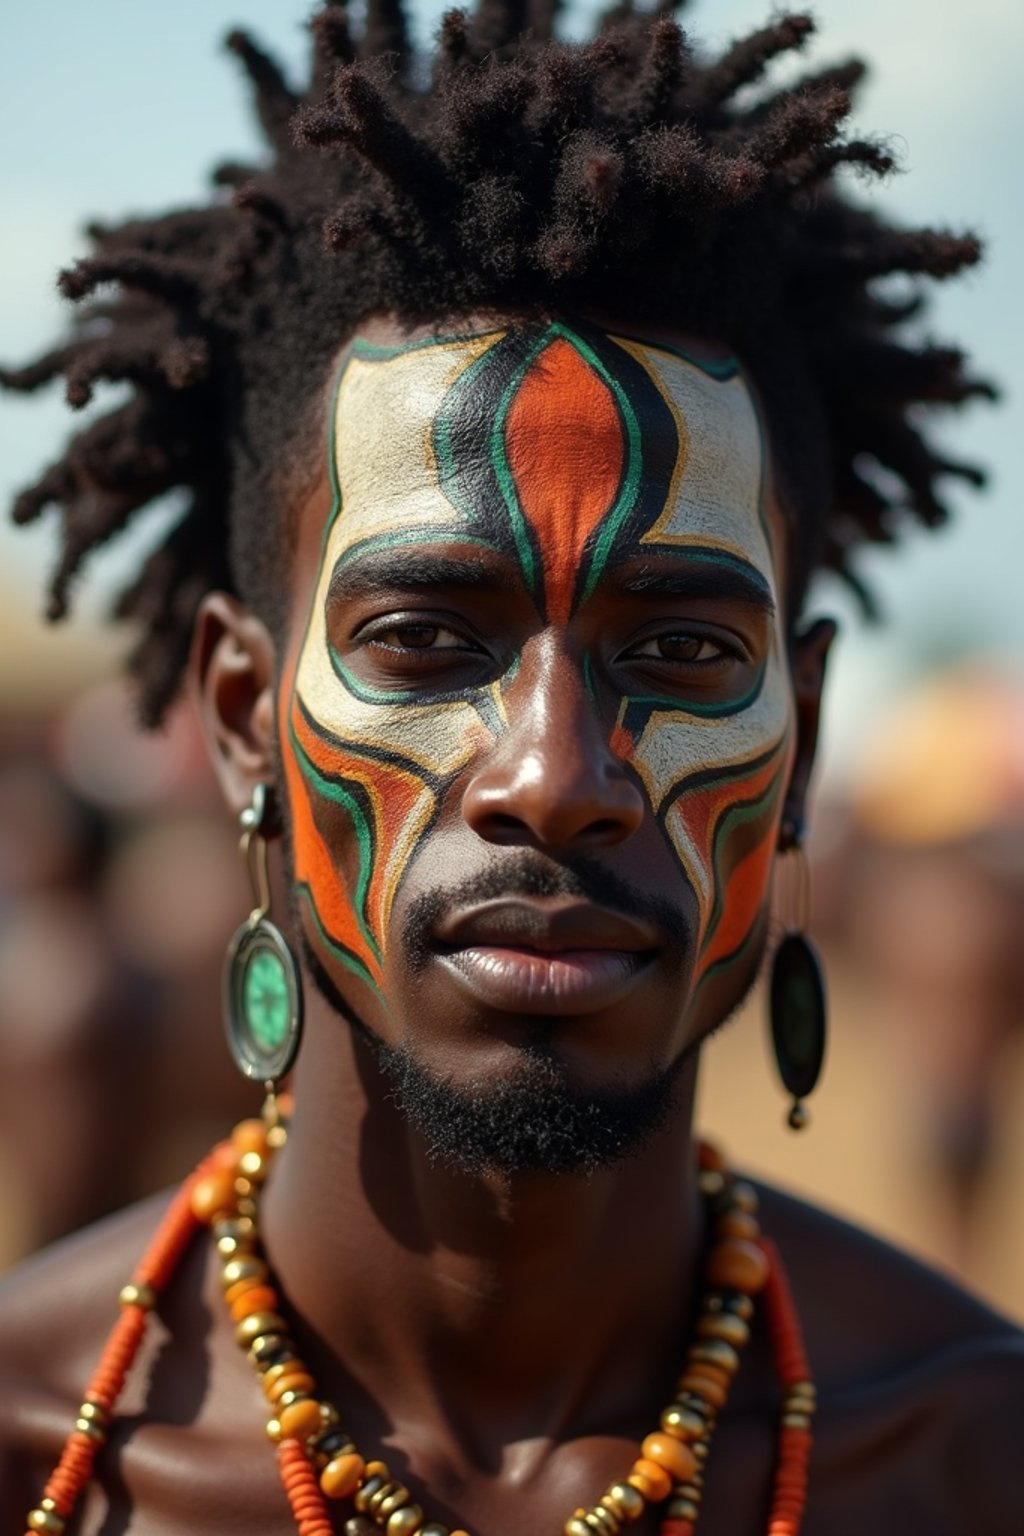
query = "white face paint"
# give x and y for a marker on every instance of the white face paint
(476, 441)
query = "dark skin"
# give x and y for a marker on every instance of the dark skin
(504, 1340)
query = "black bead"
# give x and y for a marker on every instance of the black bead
(798, 1014)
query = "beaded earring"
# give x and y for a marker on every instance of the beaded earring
(796, 991)
(262, 992)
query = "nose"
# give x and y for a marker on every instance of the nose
(552, 781)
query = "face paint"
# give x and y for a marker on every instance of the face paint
(567, 452)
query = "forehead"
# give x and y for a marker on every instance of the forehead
(551, 443)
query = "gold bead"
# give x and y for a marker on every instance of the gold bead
(254, 1166)
(710, 1183)
(744, 1197)
(329, 1415)
(244, 1189)
(90, 1427)
(603, 1521)
(682, 1509)
(701, 1450)
(405, 1521)
(49, 1505)
(796, 1420)
(132, 1295)
(247, 1208)
(273, 1430)
(262, 1351)
(625, 1500)
(691, 1490)
(247, 1268)
(716, 1352)
(257, 1323)
(391, 1497)
(683, 1422)
(723, 1325)
(45, 1520)
(577, 1526)
(434, 1529)
(96, 1413)
(370, 1485)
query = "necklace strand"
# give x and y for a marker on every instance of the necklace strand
(318, 1461)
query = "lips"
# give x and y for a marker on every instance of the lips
(545, 957)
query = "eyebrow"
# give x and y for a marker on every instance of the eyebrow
(393, 570)
(706, 574)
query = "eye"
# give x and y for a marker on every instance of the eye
(418, 637)
(683, 647)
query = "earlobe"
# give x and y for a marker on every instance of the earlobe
(809, 654)
(231, 678)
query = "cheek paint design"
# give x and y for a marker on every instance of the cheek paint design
(564, 450)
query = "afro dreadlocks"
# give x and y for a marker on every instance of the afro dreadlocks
(626, 176)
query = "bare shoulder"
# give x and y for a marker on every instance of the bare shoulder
(921, 1384)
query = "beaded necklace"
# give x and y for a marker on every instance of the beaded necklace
(319, 1463)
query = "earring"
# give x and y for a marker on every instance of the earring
(262, 992)
(797, 986)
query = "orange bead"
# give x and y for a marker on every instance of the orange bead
(652, 1481)
(671, 1455)
(738, 1224)
(213, 1196)
(714, 1392)
(737, 1265)
(249, 1136)
(240, 1287)
(292, 1381)
(260, 1299)
(300, 1419)
(342, 1476)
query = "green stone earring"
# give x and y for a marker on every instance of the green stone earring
(262, 992)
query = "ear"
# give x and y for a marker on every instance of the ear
(231, 677)
(808, 655)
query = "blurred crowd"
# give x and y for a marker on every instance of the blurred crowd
(120, 886)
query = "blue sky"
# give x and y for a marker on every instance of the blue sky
(107, 108)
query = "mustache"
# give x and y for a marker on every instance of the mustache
(527, 873)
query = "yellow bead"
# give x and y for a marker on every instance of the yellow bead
(133, 1295)
(97, 1414)
(273, 1430)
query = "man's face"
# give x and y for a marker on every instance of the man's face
(538, 727)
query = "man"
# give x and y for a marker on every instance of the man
(503, 506)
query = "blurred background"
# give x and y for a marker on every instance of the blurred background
(118, 880)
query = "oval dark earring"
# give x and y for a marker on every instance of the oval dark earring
(797, 1004)
(262, 991)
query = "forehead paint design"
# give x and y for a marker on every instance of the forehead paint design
(565, 450)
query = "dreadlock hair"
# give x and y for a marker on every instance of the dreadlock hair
(512, 172)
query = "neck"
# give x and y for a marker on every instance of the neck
(447, 1298)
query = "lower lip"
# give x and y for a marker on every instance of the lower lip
(567, 981)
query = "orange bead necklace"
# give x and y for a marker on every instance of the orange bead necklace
(319, 1463)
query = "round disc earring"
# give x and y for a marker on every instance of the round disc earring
(262, 991)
